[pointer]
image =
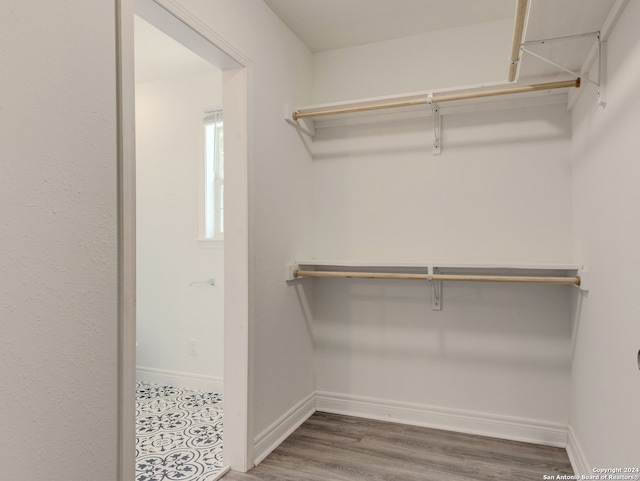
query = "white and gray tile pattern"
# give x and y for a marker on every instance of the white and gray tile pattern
(178, 434)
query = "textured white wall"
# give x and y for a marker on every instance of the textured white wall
(492, 351)
(279, 203)
(382, 196)
(58, 238)
(169, 156)
(441, 59)
(499, 193)
(605, 392)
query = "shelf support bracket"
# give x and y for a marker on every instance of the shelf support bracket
(524, 49)
(436, 289)
(585, 280)
(602, 69)
(437, 124)
(303, 125)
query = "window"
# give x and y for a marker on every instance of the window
(214, 176)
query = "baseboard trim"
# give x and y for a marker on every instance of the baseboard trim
(576, 455)
(185, 380)
(513, 428)
(270, 438)
(221, 474)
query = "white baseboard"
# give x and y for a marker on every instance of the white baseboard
(516, 429)
(270, 438)
(576, 456)
(185, 380)
(221, 474)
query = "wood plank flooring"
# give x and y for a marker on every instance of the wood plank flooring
(329, 447)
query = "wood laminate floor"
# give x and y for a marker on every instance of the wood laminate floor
(329, 447)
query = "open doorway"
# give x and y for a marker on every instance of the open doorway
(179, 257)
(189, 32)
(179, 262)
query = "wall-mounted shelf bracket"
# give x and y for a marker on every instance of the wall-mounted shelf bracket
(301, 125)
(437, 124)
(585, 280)
(581, 75)
(436, 289)
(290, 269)
(602, 80)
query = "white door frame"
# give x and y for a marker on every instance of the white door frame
(170, 15)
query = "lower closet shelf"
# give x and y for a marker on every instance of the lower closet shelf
(436, 273)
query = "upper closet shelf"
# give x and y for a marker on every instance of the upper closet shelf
(485, 96)
(482, 97)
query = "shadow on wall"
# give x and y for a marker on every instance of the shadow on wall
(414, 134)
(492, 349)
(516, 324)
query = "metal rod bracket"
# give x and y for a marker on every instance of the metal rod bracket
(585, 280)
(290, 271)
(301, 125)
(436, 289)
(602, 79)
(437, 124)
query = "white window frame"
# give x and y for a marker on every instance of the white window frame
(212, 181)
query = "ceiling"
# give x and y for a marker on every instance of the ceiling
(329, 24)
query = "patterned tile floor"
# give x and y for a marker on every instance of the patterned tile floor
(178, 434)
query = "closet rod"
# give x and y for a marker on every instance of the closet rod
(438, 277)
(444, 97)
(518, 30)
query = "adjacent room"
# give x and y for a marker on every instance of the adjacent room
(179, 252)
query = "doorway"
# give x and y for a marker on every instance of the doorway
(179, 25)
(179, 257)
(179, 265)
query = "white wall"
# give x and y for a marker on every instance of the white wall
(605, 392)
(169, 158)
(499, 193)
(58, 238)
(279, 203)
(432, 60)
(380, 194)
